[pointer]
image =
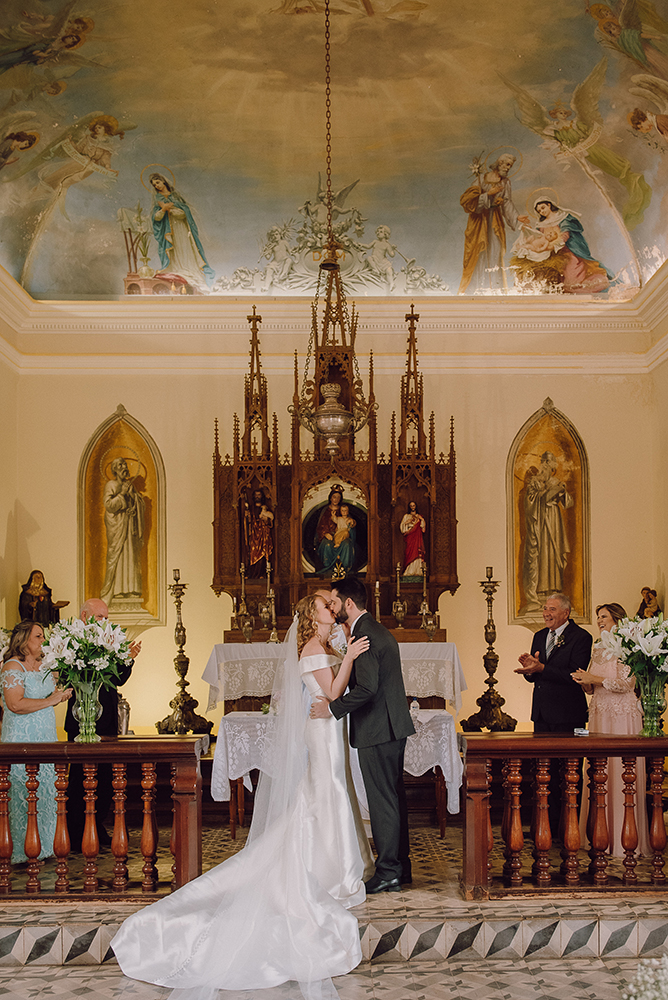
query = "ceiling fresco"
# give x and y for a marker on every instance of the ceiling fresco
(478, 148)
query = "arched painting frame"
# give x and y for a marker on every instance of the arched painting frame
(548, 518)
(122, 436)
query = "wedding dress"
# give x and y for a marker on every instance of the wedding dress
(279, 909)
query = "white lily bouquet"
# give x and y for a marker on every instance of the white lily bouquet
(86, 656)
(642, 643)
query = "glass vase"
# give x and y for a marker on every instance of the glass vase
(87, 710)
(653, 701)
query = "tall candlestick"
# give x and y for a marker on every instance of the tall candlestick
(398, 583)
(268, 577)
(243, 610)
(377, 596)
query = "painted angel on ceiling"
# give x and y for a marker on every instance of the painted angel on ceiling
(636, 31)
(654, 91)
(573, 136)
(45, 40)
(16, 136)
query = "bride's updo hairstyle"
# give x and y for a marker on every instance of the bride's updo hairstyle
(306, 623)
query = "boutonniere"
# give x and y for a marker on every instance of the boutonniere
(559, 641)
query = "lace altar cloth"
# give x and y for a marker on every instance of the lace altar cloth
(242, 735)
(246, 669)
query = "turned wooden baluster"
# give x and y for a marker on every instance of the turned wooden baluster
(33, 844)
(90, 845)
(657, 829)
(505, 816)
(6, 844)
(119, 838)
(490, 832)
(599, 840)
(542, 836)
(515, 837)
(569, 822)
(629, 827)
(61, 840)
(149, 840)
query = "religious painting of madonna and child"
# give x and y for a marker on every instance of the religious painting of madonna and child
(334, 531)
(535, 165)
(547, 489)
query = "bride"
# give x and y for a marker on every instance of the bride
(277, 910)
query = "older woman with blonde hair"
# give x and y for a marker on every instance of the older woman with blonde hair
(29, 695)
(614, 708)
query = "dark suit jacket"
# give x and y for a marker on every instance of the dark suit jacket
(557, 699)
(376, 697)
(107, 724)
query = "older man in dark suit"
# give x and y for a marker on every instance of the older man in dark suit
(379, 725)
(559, 705)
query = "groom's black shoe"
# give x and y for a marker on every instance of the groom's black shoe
(378, 884)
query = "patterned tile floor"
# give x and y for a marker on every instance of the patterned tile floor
(496, 979)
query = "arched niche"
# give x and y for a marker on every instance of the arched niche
(548, 518)
(103, 555)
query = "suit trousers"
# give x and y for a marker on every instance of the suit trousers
(382, 769)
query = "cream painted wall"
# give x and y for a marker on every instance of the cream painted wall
(8, 488)
(612, 414)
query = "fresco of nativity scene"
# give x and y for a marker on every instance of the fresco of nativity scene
(477, 150)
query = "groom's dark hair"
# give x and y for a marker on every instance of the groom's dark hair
(353, 588)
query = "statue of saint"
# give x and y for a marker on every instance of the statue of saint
(258, 535)
(546, 546)
(124, 523)
(35, 603)
(413, 527)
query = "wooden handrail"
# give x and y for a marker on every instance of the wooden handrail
(180, 753)
(512, 748)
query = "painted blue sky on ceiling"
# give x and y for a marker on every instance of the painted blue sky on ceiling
(478, 149)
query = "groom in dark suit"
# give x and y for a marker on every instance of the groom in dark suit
(379, 725)
(559, 705)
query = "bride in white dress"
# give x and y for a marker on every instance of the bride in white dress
(279, 909)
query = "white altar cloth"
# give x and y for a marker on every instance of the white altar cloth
(246, 669)
(242, 735)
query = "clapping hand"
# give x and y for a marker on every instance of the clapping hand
(529, 664)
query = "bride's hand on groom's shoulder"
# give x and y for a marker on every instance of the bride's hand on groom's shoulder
(357, 646)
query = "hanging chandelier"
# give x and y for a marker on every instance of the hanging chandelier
(331, 420)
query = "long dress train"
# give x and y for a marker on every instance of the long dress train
(279, 909)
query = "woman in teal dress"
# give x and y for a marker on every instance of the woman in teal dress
(29, 696)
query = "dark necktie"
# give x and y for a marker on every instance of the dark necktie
(549, 645)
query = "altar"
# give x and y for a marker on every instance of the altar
(246, 669)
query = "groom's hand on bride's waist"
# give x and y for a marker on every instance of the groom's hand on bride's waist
(320, 708)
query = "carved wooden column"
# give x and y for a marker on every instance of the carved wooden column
(629, 826)
(6, 844)
(187, 804)
(33, 845)
(657, 829)
(475, 874)
(514, 840)
(542, 836)
(599, 839)
(61, 840)
(119, 838)
(569, 822)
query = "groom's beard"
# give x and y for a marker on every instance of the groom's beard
(341, 617)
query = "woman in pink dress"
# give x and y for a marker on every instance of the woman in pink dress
(614, 708)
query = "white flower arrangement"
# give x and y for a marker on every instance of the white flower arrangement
(86, 652)
(651, 980)
(642, 643)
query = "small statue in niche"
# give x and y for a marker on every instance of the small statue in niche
(258, 540)
(35, 603)
(649, 606)
(413, 527)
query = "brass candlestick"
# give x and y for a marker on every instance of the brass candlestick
(377, 597)
(399, 607)
(234, 624)
(243, 610)
(183, 719)
(274, 633)
(490, 715)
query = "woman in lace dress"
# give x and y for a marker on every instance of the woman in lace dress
(29, 696)
(278, 910)
(614, 708)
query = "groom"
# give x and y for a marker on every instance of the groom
(379, 725)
